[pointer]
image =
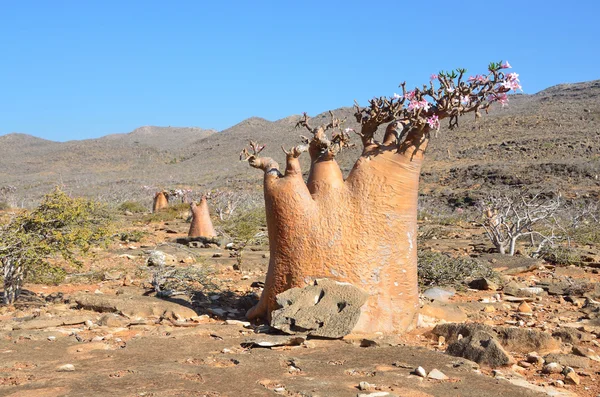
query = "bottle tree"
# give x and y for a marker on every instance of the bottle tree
(363, 230)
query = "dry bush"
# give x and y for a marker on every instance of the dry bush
(437, 269)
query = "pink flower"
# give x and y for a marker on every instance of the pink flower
(434, 122)
(512, 85)
(479, 78)
(396, 96)
(450, 89)
(513, 76)
(416, 105)
(502, 98)
(491, 98)
(433, 77)
(413, 105)
(505, 65)
(410, 95)
(465, 100)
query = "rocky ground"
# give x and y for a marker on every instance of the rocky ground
(533, 332)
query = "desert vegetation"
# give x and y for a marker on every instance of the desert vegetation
(362, 229)
(31, 240)
(139, 286)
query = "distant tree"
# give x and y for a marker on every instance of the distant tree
(201, 225)
(161, 201)
(60, 226)
(509, 218)
(363, 230)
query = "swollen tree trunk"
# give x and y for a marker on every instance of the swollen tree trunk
(362, 230)
(201, 225)
(160, 201)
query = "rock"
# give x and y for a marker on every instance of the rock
(159, 258)
(545, 390)
(526, 340)
(328, 309)
(420, 371)
(238, 322)
(483, 284)
(66, 368)
(38, 323)
(113, 321)
(437, 374)
(524, 308)
(52, 338)
(481, 347)
(552, 368)
(273, 340)
(586, 352)
(530, 291)
(568, 360)
(513, 339)
(217, 255)
(365, 386)
(438, 294)
(112, 275)
(513, 288)
(435, 312)
(571, 378)
(376, 394)
(535, 358)
(134, 307)
(571, 335)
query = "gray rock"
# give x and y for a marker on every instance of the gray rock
(568, 360)
(134, 307)
(328, 309)
(159, 258)
(439, 294)
(420, 371)
(38, 323)
(481, 347)
(113, 320)
(483, 284)
(66, 368)
(552, 368)
(526, 340)
(571, 335)
(273, 340)
(513, 339)
(437, 374)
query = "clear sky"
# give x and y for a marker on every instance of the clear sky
(84, 68)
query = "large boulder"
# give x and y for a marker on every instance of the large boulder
(327, 309)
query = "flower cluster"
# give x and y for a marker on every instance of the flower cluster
(478, 78)
(416, 105)
(512, 82)
(434, 122)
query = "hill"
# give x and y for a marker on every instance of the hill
(546, 141)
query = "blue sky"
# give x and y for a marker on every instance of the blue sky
(81, 69)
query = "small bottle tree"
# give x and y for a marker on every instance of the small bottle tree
(61, 226)
(363, 230)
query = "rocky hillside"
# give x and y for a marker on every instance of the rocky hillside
(546, 141)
